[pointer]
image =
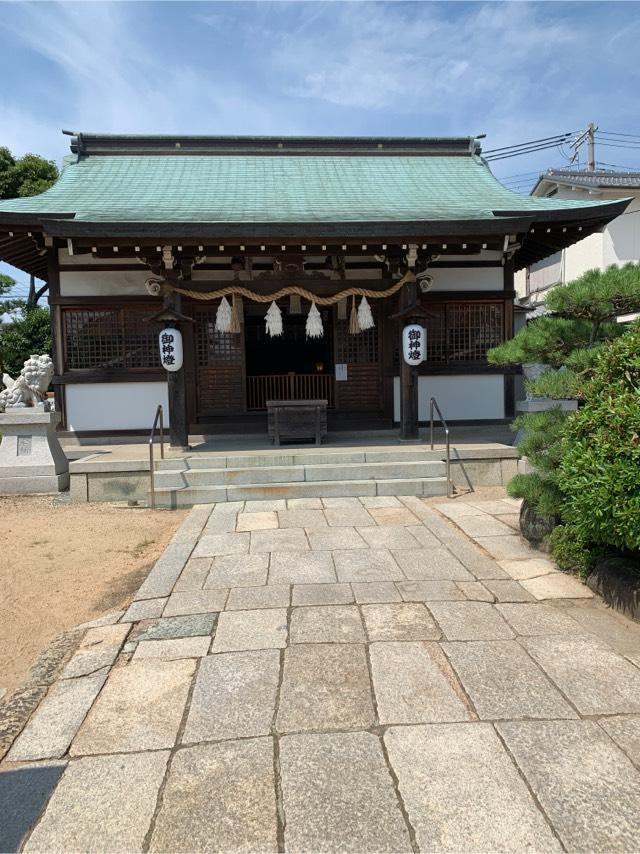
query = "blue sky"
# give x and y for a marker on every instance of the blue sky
(515, 71)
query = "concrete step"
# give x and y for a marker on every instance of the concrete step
(187, 496)
(296, 457)
(300, 473)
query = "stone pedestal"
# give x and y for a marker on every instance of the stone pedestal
(31, 459)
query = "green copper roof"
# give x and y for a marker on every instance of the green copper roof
(435, 180)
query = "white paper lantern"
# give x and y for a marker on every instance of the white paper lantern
(414, 344)
(170, 341)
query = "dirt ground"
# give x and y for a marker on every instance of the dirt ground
(65, 564)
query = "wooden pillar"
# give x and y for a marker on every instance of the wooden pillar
(177, 392)
(408, 374)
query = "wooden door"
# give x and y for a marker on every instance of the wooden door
(362, 391)
(219, 358)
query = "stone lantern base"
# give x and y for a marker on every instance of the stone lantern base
(31, 458)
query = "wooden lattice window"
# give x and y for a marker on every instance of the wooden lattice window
(461, 332)
(472, 329)
(357, 349)
(110, 339)
(213, 348)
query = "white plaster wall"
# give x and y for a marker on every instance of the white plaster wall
(115, 406)
(87, 258)
(459, 397)
(621, 238)
(103, 284)
(467, 279)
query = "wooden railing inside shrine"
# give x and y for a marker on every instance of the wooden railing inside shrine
(292, 386)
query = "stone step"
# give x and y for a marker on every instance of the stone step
(297, 457)
(187, 496)
(301, 473)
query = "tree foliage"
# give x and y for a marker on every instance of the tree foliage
(542, 448)
(599, 466)
(29, 333)
(582, 319)
(25, 176)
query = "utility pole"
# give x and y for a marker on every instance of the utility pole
(591, 147)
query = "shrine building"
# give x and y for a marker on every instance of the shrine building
(290, 267)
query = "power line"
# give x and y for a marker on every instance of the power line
(531, 142)
(614, 133)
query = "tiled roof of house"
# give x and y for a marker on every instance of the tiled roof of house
(593, 180)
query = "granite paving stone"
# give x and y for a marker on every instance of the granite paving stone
(585, 784)
(474, 559)
(380, 501)
(194, 574)
(195, 602)
(301, 517)
(190, 625)
(431, 563)
(327, 624)
(259, 521)
(470, 621)
(406, 621)
(24, 793)
(431, 590)
(507, 547)
(538, 619)
(165, 572)
(144, 609)
(173, 649)
(510, 519)
(616, 630)
(529, 568)
(238, 571)
(462, 791)
(308, 503)
(495, 507)
(457, 509)
(98, 648)
(249, 598)
(335, 538)
(393, 516)
(483, 526)
(314, 567)
(340, 502)
(322, 594)
(597, 680)
(280, 540)
(102, 803)
(557, 585)
(338, 794)
(263, 504)
(475, 591)
(234, 696)
(53, 726)
(259, 629)
(373, 592)
(219, 797)
(508, 591)
(149, 696)
(388, 537)
(223, 518)
(325, 687)
(366, 565)
(503, 682)
(410, 686)
(625, 731)
(212, 545)
(349, 516)
(426, 539)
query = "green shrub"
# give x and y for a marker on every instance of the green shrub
(569, 551)
(542, 447)
(599, 470)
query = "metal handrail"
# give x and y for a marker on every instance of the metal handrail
(433, 404)
(151, 459)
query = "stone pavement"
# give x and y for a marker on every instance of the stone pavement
(375, 674)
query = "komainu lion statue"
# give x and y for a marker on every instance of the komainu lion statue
(31, 386)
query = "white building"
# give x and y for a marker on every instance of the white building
(616, 243)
